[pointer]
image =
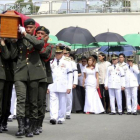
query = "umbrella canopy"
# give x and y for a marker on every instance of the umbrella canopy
(127, 49)
(109, 37)
(112, 43)
(52, 39)
(133, 39)
(78, 46)
(82, 50)
(75, 35)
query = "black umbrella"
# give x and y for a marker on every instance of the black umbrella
(109, 37)
(82, 50)
(75, 35)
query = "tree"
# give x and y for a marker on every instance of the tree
(109, 3)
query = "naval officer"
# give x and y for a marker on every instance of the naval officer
(61, 86)
(131, 85)
(115, 82)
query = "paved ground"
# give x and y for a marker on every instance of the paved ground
(86, 127)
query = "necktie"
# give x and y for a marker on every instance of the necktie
(57, 62)
(114, 66)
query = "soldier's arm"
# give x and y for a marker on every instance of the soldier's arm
(4, 50)
(37, 44)
(135, 69)
(45, 52)
(70, 75)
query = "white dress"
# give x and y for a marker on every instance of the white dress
(92, 99)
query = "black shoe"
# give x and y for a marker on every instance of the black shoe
(67, 116)
(10, 119)
(0, 129)
(53, 121)
(120, 113)
(60, 122)
(21, 131)
(135, 113)
(40, 129)
(4, 128)
(128, 113)
(112, 113)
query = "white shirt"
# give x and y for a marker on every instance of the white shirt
(102, 67)
(62, 75)
(131, 76)
(115, 77)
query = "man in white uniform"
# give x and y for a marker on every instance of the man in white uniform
(62, 78)
(66, 52)
(131, 86)
(115, 82)
(124, 67)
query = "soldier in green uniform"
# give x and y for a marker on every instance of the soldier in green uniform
(47, 53)
(4, 54)
(27, 74)
(6, 104)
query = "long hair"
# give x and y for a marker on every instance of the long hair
(102, 54)
(93, 59)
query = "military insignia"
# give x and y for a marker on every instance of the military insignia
(43, 28)
(63, 65)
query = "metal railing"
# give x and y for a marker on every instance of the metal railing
(71, 6)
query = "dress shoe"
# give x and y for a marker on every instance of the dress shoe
(4, 128)
(0, 129)
(128, 113)
(60, 122)
(112, 113)
(67, 116)
(120, 113)
(10, 119)
(135, 113)
(53, 121)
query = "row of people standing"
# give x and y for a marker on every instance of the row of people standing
(110, 85)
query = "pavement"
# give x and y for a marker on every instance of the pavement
(85, 127)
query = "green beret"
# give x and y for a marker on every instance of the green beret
(29, 21)
(42, 28)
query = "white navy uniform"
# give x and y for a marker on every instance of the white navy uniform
(131, 85)
(62, 80)
(114, 81)
(75, 82)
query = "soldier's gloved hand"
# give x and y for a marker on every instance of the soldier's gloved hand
(21, 29)
(2, 42)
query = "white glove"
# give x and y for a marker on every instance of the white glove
(21, 29)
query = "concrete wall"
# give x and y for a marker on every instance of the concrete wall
(126, 23)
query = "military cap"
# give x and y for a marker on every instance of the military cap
(114, 56)
(130, 58)
(68, 49)
(59, 48)
(42, 28)
(29, 21)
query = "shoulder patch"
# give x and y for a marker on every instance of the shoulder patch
(67, 58)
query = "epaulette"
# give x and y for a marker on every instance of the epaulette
(67, 58)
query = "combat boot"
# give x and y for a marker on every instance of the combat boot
(21, 131)
(31, 128)
(36, 126)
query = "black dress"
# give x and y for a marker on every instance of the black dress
(76, 104)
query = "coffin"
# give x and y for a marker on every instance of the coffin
(9, 23)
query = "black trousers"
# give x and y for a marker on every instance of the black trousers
(6, 103)
(1, 96)
(32, 94)
(105, 96)
(82, 100)
(123, 101)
